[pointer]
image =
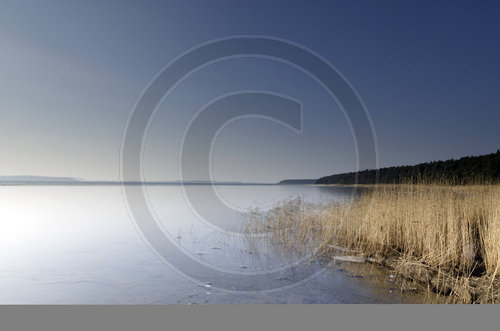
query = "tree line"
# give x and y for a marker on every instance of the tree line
(467, 170)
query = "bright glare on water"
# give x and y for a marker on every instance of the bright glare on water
(78, 245)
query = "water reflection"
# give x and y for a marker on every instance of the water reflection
(77, 245)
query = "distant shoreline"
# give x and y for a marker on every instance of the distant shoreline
(104, 183)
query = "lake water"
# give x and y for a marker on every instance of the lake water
(80, 245)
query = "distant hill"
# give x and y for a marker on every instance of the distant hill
(69, 181)
(297, 181)
(469, 169)
(37, 179)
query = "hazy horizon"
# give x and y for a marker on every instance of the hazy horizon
(37, 177)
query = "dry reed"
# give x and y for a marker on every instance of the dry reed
(447, 237)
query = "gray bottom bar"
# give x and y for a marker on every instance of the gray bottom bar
(250, 317)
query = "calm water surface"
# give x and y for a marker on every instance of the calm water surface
(78, 245)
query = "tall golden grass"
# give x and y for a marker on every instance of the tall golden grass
(447, 237)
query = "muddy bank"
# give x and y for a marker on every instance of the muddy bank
(412, 276)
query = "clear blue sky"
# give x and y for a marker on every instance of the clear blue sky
(70, 72)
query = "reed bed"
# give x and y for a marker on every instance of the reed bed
(444, 237)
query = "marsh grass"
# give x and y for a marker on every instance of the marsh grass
(444, 237)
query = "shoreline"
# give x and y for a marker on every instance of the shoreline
(445, 238)
(415, 276)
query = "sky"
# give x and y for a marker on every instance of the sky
(71, 71)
